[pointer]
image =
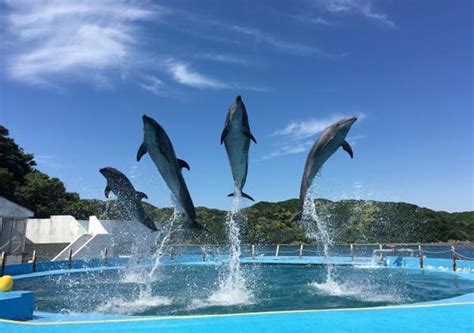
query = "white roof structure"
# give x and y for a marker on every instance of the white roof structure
(12, 210)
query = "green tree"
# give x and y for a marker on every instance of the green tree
(15, 164)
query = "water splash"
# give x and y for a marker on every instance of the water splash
(166, 232)
(317, 229)
(232, 285)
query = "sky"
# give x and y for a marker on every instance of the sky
(77, 76)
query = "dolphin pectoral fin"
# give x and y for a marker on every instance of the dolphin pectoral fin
(348, 148)
(107, 191)
(141, 195)
(141, 151)
(225, 131)
(183, 164)
(250, 136)
(245, 195)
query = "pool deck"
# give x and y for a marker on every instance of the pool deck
(448, 315)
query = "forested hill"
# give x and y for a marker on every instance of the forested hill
(263, 222)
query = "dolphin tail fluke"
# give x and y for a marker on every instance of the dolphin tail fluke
(296, 217)
(245, 195)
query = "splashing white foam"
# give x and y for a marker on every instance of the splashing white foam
(122, 306)
(362, 292)
(232, 286)
(167, 231)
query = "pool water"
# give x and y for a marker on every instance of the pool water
(191, 289)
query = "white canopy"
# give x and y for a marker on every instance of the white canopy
(12, 210)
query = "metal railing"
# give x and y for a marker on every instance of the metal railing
(462, 251)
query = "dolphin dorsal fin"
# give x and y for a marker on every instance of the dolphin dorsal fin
(107, 191)
(346, 146)
(249, 135)
(183, 164)
(141, 195)
(141, 151)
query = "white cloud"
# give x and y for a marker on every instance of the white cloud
(282, 45)
(152, 84)
(311, 19)
(184, 75)
(83, 38)
(224, 58)
(354, 7)
(307, 128)
(294, 138)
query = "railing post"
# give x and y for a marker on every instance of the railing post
(33, 261)
(352, 251)
(453, 250)
(301, 250)
(2, 263)
(277, 252)
(253, 251)
(420, 256)
(380, 246)
(69, 259)
(104, 256)
(204, 254)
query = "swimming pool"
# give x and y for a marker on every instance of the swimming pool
(398, 297)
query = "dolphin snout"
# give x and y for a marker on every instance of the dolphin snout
(146, 118)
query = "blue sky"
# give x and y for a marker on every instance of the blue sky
(78, 76)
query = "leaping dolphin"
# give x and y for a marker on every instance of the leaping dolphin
(329, 141)
(130, 199)
(236, 136)
(157, 143)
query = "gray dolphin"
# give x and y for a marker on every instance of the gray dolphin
(236, 137)
(130, 199)
(157, 143)
(329, 141)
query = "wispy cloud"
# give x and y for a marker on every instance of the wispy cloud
(294, 138)
(153, 84)
(83, 38)
(277, 43)
(318, 20)
(182, 74)
(224, 58)
(354, 7)
(49, 161)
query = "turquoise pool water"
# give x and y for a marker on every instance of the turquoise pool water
(191, 289)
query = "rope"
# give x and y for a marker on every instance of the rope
(313, 251)
(436, 252)
(463, 256)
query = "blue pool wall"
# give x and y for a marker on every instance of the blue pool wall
(19, 305)
(19, 271)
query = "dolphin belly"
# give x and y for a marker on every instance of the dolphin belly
(237, 147)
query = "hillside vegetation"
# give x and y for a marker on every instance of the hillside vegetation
(263, 222)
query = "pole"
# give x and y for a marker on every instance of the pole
(454, 258)
(104, 256)
(420, 256)
(253, 251)
(33, 261)
(277, 252)
(2, 263)
(69, 258)
(352, 251)
(301, 251)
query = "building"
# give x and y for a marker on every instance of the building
(13, 219)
